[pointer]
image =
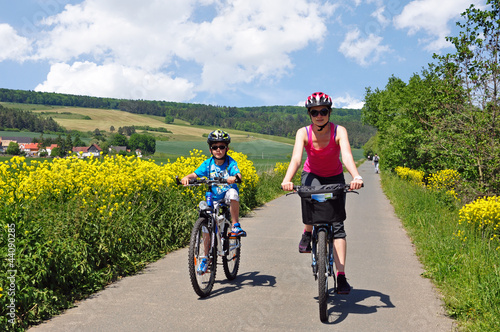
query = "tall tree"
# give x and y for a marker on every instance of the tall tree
(468, 130)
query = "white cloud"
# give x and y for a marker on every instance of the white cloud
(14, 47)
(433, 17)
(380, 16)
(245, 41)
(347, 102)
(87, 78)
(363, 50)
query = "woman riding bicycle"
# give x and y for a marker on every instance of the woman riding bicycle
(323, 142)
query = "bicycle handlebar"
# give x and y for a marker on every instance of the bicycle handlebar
(200, 181)
(323, 189)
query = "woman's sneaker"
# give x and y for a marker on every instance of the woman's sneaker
(305, 243)
(237, 231)
(343, 286)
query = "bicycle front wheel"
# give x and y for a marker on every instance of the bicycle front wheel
(199, 248)
(232, 251)
(322, 275)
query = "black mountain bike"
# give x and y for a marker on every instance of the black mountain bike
(211, 237)
(323, 205)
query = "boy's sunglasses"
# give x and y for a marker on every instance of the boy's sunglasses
(218, 147)
(323, 112)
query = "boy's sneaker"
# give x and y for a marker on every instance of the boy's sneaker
(343, 286)
(237, 231)
(203, 267)
(305, 243)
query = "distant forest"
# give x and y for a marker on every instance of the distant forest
(15, 119)
(272, 120)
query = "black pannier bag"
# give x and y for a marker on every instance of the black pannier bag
(330, 211)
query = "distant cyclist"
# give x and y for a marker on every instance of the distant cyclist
(323, 142)
(375, 162)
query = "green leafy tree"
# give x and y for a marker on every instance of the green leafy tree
(400, 114)
(57, 152)
(77, 141)
(97, 134)
(169, 118)
(68, 143)
(145, 143)
(450, 116)
(13, 149)
(468, 130)
(118, 140)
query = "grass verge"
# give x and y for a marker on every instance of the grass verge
(466, 272)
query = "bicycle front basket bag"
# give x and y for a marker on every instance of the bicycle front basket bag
(331, 210)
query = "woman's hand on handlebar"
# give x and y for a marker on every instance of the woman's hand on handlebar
(288, 186)
(356, 184)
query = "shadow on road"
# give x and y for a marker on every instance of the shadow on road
(359, 301)
(252, 279)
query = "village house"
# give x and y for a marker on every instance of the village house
(30, 149)
(49, 148)
(117, 149)
(5, 141)
(85, 152)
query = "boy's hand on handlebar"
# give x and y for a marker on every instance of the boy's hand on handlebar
(234, 179)
(185, 181)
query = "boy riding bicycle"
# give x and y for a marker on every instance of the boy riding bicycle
(222, 166)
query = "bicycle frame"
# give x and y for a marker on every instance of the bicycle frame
(217, 217)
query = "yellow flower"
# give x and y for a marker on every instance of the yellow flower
(410, 175)
(483, 215)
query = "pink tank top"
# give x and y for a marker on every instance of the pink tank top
(323, 162)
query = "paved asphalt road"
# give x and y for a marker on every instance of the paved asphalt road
(275, 289)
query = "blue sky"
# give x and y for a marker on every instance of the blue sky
(221, 52)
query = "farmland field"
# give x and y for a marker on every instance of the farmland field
(263, 150)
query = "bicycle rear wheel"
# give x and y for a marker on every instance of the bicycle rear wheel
(322, 275)
(231, 258)
(199, 248)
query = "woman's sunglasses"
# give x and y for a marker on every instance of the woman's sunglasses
(323, 112)
(218, 147)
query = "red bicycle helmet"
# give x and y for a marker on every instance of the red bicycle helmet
(318, 99)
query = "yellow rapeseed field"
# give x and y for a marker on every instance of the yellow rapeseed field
(102, 183)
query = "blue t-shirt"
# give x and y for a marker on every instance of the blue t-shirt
(210, 170)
